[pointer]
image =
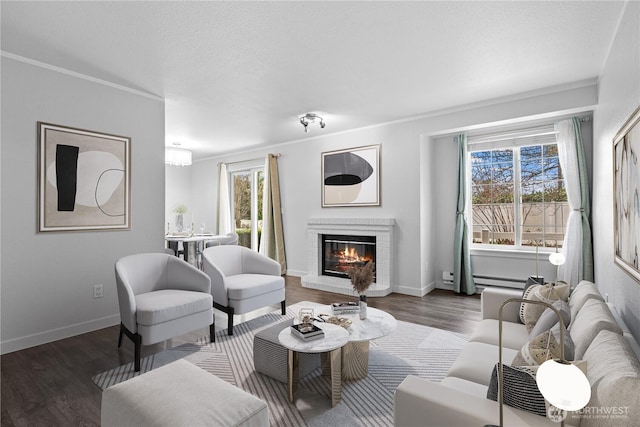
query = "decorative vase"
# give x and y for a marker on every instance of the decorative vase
(179, 225)
(363, 306)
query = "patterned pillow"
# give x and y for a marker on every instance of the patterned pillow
(543, 347)
(547, 293)
(520, 389)
(526, 295)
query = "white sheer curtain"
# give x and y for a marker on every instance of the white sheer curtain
(577, 239)
(224, 204)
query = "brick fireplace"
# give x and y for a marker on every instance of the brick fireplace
(356, 236)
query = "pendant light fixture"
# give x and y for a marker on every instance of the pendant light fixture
(175, 156)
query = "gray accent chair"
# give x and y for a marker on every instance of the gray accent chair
(242, 280)
(161, 297)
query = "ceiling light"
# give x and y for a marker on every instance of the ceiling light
(311, 118)
(177, 156)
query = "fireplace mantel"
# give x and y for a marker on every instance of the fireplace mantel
(381, 228)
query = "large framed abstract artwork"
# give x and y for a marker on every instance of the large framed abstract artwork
(626, 193)
(351, 177)
(83, 180)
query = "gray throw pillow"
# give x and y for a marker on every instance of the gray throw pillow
(548, 319)
(520, 390)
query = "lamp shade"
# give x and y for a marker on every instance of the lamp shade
(564, 385)
(177, 157)
(556, 258)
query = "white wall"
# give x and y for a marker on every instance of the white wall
(177, 192)
(417, 187)
(618, 97)
(47, 279)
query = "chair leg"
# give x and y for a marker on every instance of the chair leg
(120, 336)
(212, 331)
(283, 306)
(137, 345)
(230, 322)
(229, 311)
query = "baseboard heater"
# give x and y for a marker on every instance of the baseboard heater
(482, 281)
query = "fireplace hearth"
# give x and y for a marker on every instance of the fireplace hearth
(342, 253)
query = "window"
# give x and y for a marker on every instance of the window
(246, 204)
(517, 191)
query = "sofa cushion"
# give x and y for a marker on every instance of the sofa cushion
(243, 286)
(614, 375)
(465, 386)
(547, 293)
(514, 335)
(476, 360)
(549, 318)
(593, 317)
(581, 294)
(157, 307)
(543, 347)
(520, 389)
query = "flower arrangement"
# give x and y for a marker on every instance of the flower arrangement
(362, 277)
(181, 209)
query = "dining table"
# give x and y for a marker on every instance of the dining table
(192, 245)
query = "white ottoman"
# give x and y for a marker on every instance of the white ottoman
(180, 394)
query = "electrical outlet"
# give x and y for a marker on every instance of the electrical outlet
(98, 291)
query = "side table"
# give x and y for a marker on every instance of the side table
(335, 337)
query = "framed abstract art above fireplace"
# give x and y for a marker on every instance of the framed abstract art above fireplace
(83, 180)
(351, 177)
(626, 194)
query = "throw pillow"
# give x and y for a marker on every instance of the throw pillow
(543, 347)
(526, 294)
(549, 319)
(547, 293)
(520, 389)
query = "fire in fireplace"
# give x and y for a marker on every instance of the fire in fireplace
(341, 253)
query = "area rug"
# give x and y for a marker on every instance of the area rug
(411, 350)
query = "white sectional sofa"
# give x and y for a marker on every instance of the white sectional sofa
(460, 399)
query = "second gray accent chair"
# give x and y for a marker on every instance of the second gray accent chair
(161, 297)
(242, 280)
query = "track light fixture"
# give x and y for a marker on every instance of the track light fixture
(311, 118)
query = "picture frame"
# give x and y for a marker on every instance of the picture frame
(626, 189)
(351, 177)
(84, 180)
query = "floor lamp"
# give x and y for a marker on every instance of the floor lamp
(562, 384)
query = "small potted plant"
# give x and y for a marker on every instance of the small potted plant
(361, 278)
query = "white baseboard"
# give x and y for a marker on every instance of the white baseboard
(15, 344)
(296, 273)
(415, 292)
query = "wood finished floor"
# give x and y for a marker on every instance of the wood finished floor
(50, 385)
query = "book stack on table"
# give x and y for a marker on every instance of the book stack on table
(349, 307)
(307, 332)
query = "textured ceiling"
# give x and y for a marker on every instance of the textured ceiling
(236, 75)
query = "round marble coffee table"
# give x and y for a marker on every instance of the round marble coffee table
(355, 354)
(331, 345)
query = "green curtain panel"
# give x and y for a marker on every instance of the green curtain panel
(462, 275)
(587, 245)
